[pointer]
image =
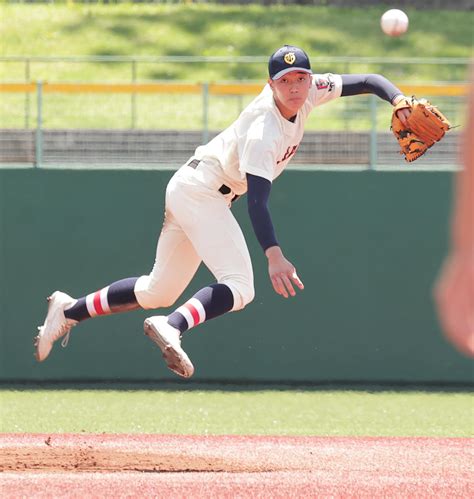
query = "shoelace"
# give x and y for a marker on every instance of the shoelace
(65, 340)
(67, 328)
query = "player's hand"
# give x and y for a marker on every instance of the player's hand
(282, 273)
(402, 114)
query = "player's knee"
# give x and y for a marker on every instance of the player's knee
(248, 295)
(244, 293)
(150, 294)
(151, 300)
(160, 301)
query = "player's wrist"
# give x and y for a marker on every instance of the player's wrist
(273, 252)
(398, 98)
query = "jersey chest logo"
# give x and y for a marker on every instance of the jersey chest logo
(289, 152)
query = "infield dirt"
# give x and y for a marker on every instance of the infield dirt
(248, 466)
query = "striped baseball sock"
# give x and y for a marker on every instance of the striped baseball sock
(118, 297)
(206, 304)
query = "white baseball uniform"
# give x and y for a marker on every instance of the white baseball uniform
(199, 225)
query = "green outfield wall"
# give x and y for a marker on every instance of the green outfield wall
(368, 246)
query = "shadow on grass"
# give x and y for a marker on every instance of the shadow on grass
(239, 385)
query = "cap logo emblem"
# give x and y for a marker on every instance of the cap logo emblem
(290, 58)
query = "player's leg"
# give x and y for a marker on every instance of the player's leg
(219, 241)
(224, 251)
(117, 297)
(64, 312)
(176, 263)
(166, 331)
(209, 302)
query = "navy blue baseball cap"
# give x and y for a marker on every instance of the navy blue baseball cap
(288, 58)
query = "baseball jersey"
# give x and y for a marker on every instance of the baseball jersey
(261, 141)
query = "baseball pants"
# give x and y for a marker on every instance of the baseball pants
(198, 226)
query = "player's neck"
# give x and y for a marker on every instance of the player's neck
(286, 112)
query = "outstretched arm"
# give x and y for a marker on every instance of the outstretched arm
(282, 272)
(357, 84)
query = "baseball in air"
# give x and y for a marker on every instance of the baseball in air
(394, 22)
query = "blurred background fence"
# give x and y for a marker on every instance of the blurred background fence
(138, 123)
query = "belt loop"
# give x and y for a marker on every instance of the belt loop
(223, 189)
(193, 163)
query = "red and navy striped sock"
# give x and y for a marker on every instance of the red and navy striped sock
(206, 304)
(118, 297)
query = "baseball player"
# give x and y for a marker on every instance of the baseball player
(199, 225)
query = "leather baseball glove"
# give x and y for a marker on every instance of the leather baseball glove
(425, 126)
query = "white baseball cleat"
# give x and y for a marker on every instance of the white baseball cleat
(168, 339)
(55, 325)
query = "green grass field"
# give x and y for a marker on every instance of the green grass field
(265, 412)
(65, 30)
(217, 30)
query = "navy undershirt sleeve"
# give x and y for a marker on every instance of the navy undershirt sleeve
(258, 193)
(356, 84)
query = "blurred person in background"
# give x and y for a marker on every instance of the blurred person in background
(454, 288)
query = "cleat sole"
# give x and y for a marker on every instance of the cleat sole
(176, 360)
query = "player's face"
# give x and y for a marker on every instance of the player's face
(291, 91)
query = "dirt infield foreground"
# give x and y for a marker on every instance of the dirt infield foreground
(104, 465)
